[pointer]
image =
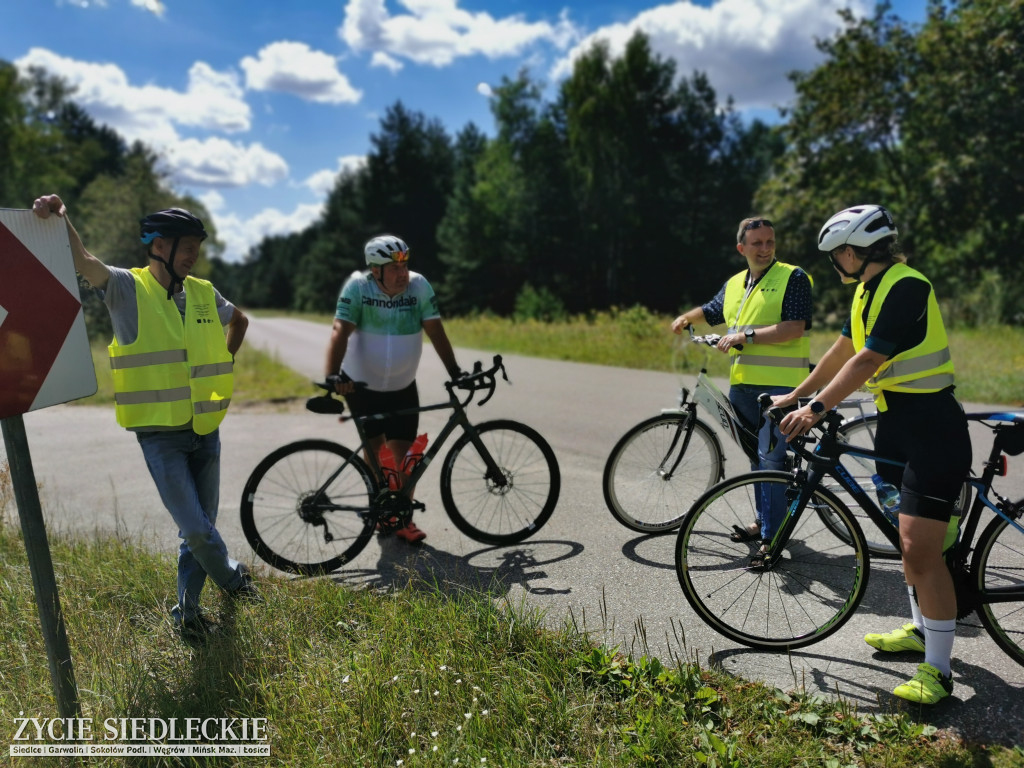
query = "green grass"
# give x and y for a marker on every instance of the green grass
(989, 361)
(420, 676)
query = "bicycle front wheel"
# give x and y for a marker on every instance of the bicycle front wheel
(650, 482)
(812, 587)
(505, 509)
(998, 566)
(301, 514)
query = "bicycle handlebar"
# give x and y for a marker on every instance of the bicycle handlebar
(478, 380)
(710, 339)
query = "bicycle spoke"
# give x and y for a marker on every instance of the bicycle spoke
(806, 593)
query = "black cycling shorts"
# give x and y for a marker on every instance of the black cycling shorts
(929, 432)
(365, 402)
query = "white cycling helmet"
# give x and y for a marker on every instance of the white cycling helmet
(386, 249)
(861, 226)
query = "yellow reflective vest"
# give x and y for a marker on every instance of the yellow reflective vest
(174, 372)
(928, 367)
(769, 365)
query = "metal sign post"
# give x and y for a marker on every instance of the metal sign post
(44, 360)
(37, 547)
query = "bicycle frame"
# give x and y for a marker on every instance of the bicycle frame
(825, 460)
(458, 418)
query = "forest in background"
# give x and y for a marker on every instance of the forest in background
(626, 188)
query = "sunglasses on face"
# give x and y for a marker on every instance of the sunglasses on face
(757, 224)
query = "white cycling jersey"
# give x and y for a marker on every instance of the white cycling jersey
(384, 351)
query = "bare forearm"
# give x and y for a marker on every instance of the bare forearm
(236, 331)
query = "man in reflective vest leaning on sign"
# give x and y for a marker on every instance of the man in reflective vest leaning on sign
(172, 367)
(768, 310)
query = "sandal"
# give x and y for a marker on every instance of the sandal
(740, 535)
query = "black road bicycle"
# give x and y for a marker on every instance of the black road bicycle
(663, 464)
(311, 506)
(817, 566)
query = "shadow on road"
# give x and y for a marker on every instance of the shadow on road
(491, 570)
(983, 708)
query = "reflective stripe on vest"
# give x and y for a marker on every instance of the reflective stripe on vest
(777, 365)
(175, 372)
(928, 367)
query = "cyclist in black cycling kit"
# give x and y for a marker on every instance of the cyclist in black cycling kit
(894, 343)
(377, 338)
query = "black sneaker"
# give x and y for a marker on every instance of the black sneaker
(197, 630)
(247, 591)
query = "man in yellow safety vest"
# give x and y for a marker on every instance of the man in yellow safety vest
(768, 310)
(172, 366)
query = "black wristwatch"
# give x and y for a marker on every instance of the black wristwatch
(817, 407)
(749, 333)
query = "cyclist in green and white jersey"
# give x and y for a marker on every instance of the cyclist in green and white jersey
(377, 338)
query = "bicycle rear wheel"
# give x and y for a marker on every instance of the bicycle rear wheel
(644, 487)
(812, 588)
(300, 519)
(998, 565)
(501, 510)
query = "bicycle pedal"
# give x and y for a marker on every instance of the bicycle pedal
(418, 506)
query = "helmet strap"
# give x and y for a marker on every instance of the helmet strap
(854, 276)
(177, 282)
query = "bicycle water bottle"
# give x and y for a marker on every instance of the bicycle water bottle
(388, 469)
(888, 497)
(415, 454)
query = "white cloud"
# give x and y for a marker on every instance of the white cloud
(153, 6)
(437, 32)
(322, 182)
(216, 162)
(295, 68)
(240, 236)
(746, 47)
(381, 59)
(484, 90)
(212, 101)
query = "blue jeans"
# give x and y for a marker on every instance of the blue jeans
(186, 469)
(771, 502)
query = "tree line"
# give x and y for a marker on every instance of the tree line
(626, 187)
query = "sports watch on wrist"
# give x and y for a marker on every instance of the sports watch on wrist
(817, 407)
(749, 333)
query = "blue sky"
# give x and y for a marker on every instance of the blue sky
(255, 106)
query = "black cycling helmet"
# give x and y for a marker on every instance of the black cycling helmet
(171, 223)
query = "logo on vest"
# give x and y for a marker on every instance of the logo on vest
(203, 313)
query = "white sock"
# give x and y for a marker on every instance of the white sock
(915, 609)
(938, 643)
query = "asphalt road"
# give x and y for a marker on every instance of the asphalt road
(582, 567)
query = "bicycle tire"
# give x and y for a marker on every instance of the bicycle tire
(808, 594)
(492, 513)
(998, 563)
(637, 491)
(287, 528)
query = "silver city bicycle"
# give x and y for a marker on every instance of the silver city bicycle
(663, 464)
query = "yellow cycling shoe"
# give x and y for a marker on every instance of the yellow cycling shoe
(906, 638)
(926, 687)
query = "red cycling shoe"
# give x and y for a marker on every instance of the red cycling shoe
(410, 533)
